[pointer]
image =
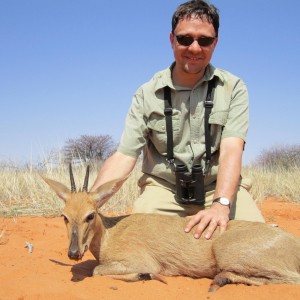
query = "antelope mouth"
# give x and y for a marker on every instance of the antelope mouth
(79, 256)
(82, 254)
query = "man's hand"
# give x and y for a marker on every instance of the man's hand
(217, 215)
(230, 162)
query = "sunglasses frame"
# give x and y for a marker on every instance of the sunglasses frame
(203, 41)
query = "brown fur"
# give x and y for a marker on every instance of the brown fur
(149, 246)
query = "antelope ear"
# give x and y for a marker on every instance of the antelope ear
(106, 190)
(61, 190)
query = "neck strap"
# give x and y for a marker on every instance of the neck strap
(208, 104)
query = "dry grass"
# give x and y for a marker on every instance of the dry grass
(280, 182)
(24, 192)
(276, 173)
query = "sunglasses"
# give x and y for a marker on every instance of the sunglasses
(186, 40)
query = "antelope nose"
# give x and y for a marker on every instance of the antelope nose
(73, 254)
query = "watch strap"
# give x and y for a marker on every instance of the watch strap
(222, 201)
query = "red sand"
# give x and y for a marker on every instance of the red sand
(47, 273)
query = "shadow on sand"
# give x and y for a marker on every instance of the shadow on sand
(83, 269)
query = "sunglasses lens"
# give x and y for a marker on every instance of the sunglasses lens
(205, 41)
(185, 40)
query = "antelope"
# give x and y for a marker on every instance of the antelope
(151, 246)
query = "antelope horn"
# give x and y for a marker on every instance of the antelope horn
(73, 186)
(86, 179)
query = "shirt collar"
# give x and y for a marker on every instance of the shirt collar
(166, 76)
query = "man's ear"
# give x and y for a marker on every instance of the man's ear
(172, 39)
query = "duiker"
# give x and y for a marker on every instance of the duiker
(149, 246)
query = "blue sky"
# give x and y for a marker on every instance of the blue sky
(70, 67)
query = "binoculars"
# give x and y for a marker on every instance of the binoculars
(189, 185)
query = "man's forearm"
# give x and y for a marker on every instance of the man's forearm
(230, 164)
(115, 167)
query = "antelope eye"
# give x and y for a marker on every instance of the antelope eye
(90, 217)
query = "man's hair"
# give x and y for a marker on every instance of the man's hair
(196, 9)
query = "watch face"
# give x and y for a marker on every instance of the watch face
(224, 201)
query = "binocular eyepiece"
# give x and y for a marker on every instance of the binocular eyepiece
(190, 185)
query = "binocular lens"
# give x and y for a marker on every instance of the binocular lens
(190, 185)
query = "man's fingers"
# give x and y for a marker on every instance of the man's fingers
(201, 222)
(193, 220)
(223, 227)
(200, 228)
(206, 220)
(211, 228)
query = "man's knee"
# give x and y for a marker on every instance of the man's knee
(245, 208)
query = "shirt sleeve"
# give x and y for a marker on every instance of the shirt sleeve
(135, 132)
(238, 115)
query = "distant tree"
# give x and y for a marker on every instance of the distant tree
(284, 156)
(89, 148)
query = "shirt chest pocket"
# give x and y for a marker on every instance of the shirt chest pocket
(158, 132)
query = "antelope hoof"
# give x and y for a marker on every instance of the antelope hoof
(218, 282)
(150, 276)
(145, 276)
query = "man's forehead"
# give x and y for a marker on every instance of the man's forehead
(194, 22)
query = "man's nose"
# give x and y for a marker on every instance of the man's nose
(195, 46)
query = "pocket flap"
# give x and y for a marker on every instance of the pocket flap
(157, 125)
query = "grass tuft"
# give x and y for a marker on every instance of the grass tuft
(24, 192)
(275, 173)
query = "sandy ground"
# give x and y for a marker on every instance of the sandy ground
(47, 273)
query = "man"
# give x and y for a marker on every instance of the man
(194, 36)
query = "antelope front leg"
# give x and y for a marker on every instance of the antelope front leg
(120, 272)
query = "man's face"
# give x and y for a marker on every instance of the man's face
(193, 59)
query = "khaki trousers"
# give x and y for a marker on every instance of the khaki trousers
(157, 196)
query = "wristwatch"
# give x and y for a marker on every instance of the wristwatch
(222, 200)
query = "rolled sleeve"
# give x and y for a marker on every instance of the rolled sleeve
(134, 135)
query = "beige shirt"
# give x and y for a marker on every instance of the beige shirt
(146, 125)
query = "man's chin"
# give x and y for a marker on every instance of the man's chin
(194, 70)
